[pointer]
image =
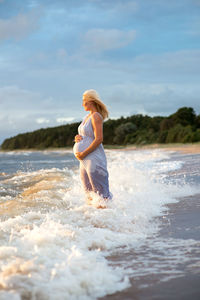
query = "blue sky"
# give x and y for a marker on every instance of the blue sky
(142, 56)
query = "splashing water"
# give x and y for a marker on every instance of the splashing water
(55, 246)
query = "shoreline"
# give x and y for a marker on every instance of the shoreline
(190, 148)
(183, 148)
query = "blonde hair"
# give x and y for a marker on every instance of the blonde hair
(92, 95)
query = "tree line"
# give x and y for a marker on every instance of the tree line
(181, 127)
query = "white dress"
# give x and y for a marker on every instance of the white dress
(93, 168)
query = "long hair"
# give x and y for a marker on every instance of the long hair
(92, 95)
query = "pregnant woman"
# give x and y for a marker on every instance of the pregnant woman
(89, 150)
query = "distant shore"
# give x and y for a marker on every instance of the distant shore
(184, 148)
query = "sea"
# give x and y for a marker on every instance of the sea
(54, 246)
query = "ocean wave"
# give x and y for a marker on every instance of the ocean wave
(56, 246)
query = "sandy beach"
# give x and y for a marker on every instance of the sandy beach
(182, 223)
(183, 148)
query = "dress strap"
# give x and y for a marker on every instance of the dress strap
(99, 115)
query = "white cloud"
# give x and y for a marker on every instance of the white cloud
(99, 40)
(17, 98)
(184, 60)
(23, 100)
(152, 98)
(19, 26)
(23, 110)
(177, 66)
(42, 121)
(64, 120)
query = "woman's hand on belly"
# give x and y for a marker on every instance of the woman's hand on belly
(81, 146)
(80, 155)
(78, 138)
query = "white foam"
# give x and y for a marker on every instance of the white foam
(58, 248)
(16, 152)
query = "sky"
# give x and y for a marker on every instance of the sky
(142, 56)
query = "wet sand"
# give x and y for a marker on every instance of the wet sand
(183, 148)
(183, 223)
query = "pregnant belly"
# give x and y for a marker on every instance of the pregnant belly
(83, 144)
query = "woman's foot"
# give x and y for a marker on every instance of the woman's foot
(102, 206)
(102, 203)
(89, 200)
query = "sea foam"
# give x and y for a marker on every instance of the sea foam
(55, 246)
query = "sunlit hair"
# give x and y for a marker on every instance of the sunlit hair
(92, 95)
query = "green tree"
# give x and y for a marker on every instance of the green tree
(184, 116)
(122, 130)
(166, 124)
(182, 126)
